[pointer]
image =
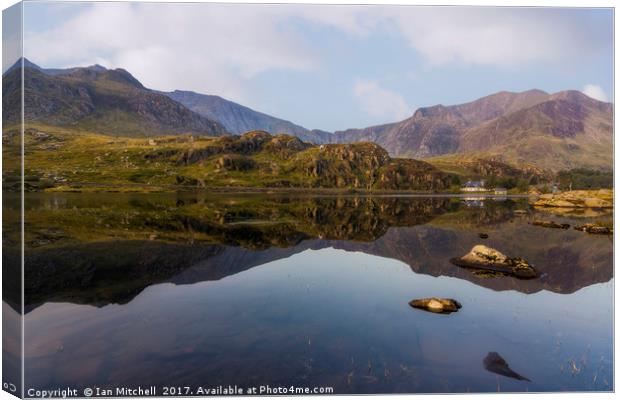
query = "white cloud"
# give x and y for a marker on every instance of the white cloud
(489, 36)
(380, 102)
(11, 36)
(210, 49)
(594, 91)
(219, 48)
(507, 37)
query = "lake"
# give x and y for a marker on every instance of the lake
(311, 291)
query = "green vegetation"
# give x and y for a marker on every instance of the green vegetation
(519, 184)
(71, 159)
(495, 173)
(76, 160)
(582, 178)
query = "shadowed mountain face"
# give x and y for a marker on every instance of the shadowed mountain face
(105, 249)
(557, 131)
(97, 99)
(239, 119)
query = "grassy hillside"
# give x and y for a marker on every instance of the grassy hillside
(71, 159)
(544, 155)
(472, 167)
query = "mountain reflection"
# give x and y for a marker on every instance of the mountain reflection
(104, 249)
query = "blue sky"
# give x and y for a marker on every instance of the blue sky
(331, 67)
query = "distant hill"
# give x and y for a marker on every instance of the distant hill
(240, 119)
(550, 131)
(98, 99)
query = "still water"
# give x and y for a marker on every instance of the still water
(250, 290)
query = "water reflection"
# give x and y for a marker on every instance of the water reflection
(305, 290)
(106, 249)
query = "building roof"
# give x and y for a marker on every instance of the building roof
(475, 184)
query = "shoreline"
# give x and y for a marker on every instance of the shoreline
(84, 187)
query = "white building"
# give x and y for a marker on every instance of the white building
(474, 186)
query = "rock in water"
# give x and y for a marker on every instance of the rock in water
(436, 305)
(577, 199)
(550, 224)
(486, 258)
(481, 254)
(493, 362)
(594, 229)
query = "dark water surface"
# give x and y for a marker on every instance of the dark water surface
(248, 290)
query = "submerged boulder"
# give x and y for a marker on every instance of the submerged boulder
(436, 305)
(485, 258)
(594, 229)
(550, 224)
(493, 362)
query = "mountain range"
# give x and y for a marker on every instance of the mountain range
(551, 131)
(527, 130)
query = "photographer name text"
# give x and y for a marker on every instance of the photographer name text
(144, 391)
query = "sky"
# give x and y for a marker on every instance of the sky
(331, 67)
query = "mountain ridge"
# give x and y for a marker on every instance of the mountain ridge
(491, 126)
(529, 129)
(238, 119)
(111, 101)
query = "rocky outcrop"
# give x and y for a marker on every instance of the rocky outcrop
(411, 175)
(247, 144)
(285, 146)
(235, 162)
(353, 165)
(485, 258)
(436, 305)
(367, 166)
(602, 198)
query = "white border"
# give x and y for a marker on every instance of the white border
(490, 3)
